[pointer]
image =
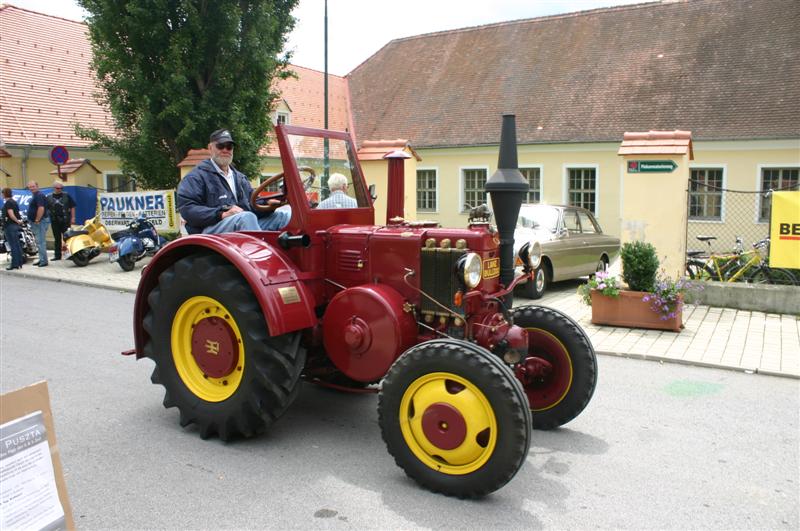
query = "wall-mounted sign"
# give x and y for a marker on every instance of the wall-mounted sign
(651, 166)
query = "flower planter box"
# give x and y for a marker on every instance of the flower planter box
(630, 310)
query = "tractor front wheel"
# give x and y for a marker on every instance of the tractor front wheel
(213, 352)
(560, 372)
(454, 418)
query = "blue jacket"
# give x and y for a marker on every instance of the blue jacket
(203, 193)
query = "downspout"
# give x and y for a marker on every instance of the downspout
(26, 153)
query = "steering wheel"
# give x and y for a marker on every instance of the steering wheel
(281, 196)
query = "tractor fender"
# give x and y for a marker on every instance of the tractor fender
(286, 302)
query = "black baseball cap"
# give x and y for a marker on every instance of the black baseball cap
(221, 136)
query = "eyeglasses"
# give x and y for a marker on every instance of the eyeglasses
(227, 146)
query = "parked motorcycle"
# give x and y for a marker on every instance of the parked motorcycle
(140, 239)
(88, 242)
(26, 239)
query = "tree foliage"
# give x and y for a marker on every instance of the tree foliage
(173, 71)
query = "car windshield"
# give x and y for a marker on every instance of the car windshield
(325, 158)
(538, 217)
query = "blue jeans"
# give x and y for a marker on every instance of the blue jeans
(249, 221)
(14, 245)
(40, 232)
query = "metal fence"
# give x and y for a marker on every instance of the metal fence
(726, 215)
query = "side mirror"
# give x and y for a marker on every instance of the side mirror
(372, 192)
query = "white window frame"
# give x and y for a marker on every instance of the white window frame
(710, 166)
(565, 184)
(435, 170)
(540, 167)
(759, 171)
(462, 196)
(288, 116)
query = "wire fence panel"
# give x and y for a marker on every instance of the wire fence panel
(726, 214)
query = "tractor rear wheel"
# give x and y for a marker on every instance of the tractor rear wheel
(454, 418)
(213, 352)
(559, 374)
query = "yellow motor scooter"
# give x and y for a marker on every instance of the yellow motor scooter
(87, 242)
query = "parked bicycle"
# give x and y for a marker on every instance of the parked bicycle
(738, 265)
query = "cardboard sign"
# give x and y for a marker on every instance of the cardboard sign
(784, 246)
(33, 493)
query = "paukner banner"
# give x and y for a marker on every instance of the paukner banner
(784, 246)
(117, 209)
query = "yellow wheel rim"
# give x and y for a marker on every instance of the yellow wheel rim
(222, 382)
(433, 409)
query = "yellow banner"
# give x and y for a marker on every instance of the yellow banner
(784, 247)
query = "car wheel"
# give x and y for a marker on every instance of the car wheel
(534, 288)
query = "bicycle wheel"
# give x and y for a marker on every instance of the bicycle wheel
(769, 275)
(698, 270)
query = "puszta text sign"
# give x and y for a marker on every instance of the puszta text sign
(651, 166)
(117, 209)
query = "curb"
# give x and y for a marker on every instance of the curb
(71, 281)
(664, 359)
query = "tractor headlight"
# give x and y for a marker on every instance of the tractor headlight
(531, 254)
(469, 269)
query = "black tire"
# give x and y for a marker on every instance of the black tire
(558, 344)
(772, 275)
(81, 258)
(602, 265)
(694, 269)
(488, 382)
(127, 262)
(535, 287)
(268, 382)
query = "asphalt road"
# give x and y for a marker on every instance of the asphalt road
(660, 445)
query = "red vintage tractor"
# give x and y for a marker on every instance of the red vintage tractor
(234, 321)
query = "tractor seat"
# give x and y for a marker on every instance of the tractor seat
(695, 254)
(706, 238)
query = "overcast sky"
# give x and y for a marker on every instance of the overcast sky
(359, 28)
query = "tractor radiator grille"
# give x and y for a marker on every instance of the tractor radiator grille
(438, 279)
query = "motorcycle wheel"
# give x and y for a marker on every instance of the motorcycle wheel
(127, 262)
(81, 258)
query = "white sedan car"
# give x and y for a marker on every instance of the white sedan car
(572, 244)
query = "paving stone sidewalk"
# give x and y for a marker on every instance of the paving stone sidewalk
(742, 340)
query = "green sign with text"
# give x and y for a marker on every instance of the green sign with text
(651, 166)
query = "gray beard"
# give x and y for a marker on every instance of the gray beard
(221, 161)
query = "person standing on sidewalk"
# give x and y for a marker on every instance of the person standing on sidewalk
(62, 215)
(11, 223)
(40, 220)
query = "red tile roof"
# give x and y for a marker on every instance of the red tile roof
(305, 97)
(73, 165)
(46, 85)
(722, 69)
(657, 143)
(195, 157)
(378, 149)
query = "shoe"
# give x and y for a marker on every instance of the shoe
(43, 265)
(56, 258)
(36, 262)
(9, 268)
